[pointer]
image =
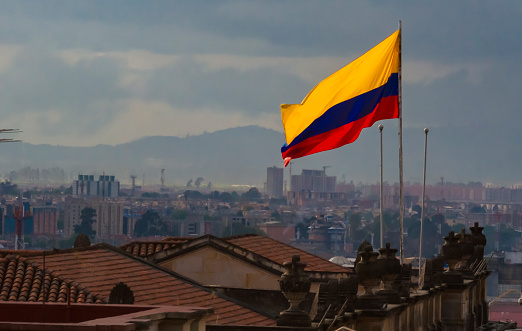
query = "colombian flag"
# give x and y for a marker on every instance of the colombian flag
(351, 99)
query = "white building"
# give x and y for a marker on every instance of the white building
(105, 186)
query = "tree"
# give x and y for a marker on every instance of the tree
(229, 197)
(252, 194)
(198, 181)
(276, 216)
(7, 188)
(354, 223)
(150, 224)
(87, 216)
(68, 191)
(478, 210)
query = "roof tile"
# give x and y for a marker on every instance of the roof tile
(101, 267)
(24, 281)
(280, 253)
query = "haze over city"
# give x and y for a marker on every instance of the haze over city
(88, 73)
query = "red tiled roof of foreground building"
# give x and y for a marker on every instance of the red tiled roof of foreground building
(101, 267)
(280, 253)
(147, 248)
(25, 281)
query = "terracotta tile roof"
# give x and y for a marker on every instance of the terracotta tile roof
(101, 267)
(177, 239)
(147, 248)
(22, 280)
(280, 253)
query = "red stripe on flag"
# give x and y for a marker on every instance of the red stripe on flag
(346, 134)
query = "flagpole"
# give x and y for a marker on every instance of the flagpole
(426, 130)
(401, 198)
(381, 197)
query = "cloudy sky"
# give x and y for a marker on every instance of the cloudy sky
(81, 73)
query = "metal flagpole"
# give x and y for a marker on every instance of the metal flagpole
(426, 130)
(401, 198)
(382, 200)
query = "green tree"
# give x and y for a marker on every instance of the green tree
(87, 216)
(193, 195)
(68, 191)
(252, 194)
(354, 223)
(198, 182)
(478, 210)
(7, 188)
(276, 216)
(150, 224)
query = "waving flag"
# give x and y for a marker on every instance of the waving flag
(351, 99)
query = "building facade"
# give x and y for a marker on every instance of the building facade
(108, 220)
(45, 220)
(105, 186)
(274, 182)
(313, 181)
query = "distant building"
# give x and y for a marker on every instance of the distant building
(109, 217)
(45, 220)
(313, 181)
(274, 182)
(9, 219)
(105, 186)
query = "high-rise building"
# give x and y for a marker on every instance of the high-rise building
(105, 186)
(45, 220)
(108, 220)
(274, 182)
(313, 181)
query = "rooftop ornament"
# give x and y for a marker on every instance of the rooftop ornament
(295, 285)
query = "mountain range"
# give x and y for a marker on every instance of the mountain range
(240, 156)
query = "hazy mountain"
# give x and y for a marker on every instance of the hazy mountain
(241, 155)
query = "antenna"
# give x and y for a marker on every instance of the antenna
(20, 216)
(324, 169)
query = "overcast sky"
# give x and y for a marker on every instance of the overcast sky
(81, 73)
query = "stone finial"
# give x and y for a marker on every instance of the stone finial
(295, 285)
(466, 242)
(369, 275)
(479, 241)
(390, 270)
(82, 240)
(121, 294)
(451, 252)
